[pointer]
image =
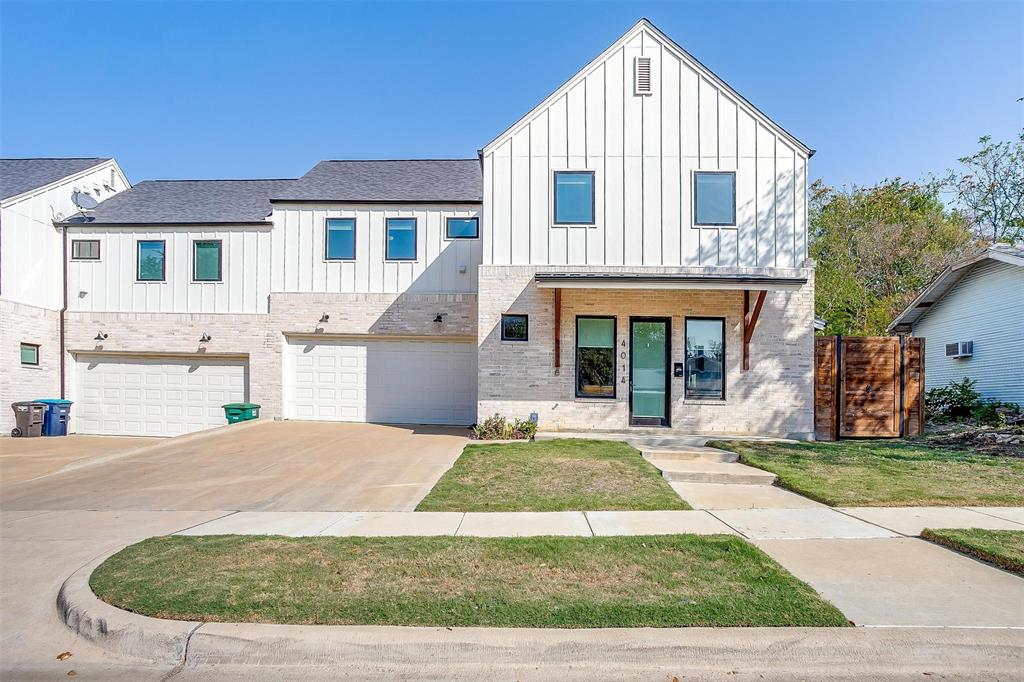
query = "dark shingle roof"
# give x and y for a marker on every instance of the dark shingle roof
(18, 176)
(187, 201)
(422, 180)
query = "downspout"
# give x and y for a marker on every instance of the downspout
(64, 306)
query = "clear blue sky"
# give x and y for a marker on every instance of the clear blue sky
(246, 89)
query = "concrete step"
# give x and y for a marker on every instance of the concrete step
(699, 471)
(692, 454)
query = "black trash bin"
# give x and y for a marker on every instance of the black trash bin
(28, 418)
(58, 412)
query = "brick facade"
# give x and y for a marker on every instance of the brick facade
(774, 397)
(20, 323)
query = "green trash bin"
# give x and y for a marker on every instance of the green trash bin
(241, 412)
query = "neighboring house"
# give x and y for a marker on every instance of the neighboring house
(34, 194)
(972, 320)
(632, 252)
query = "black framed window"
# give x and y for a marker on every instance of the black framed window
(574, 197)
(207, 260)
(595, 357)
(461, 228)
(151, 260)
(85, 249)
(705, 358)
(340, 239)
(714, 198)
(515, 328)
(30, 354)
(400, 239)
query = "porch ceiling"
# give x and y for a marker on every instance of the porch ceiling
(617, 280)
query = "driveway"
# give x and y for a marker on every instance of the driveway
(22, 459)
(270, 466)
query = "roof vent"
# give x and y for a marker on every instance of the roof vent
(642, 76)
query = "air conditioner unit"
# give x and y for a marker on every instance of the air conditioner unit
(962, 349)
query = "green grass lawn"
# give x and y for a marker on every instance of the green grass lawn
(1004, 548)
(555, 475)
(658, 581)
(878, 473)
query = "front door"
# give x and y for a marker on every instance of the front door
(648, 371)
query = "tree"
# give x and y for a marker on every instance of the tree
(990, 189)
(876, 247)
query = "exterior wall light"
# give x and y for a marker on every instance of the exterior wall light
(324, 318)
(100, 336)
(205, 338)
(439, 318)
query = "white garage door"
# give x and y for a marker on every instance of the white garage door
(154, 396)
(391, 382)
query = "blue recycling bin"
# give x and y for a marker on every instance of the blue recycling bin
(55, 421)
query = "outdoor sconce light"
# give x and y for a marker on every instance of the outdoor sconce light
(324, 318)
(100, 336)
(205, 338)
(439, 318)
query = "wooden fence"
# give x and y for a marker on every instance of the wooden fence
(868, 386)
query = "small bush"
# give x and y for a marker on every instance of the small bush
(994, 412)
(498, 428)
(956, 401)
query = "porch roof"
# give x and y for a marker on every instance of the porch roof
(624, 280)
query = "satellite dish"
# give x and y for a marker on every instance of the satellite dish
(83, 201)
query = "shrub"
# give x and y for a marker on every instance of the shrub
(498, 428)
(953, 402)
(994, 412)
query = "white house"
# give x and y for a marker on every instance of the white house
(630, 253)
(34, 194)
(972, 320)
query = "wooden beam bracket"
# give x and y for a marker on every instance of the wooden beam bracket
(750, 317)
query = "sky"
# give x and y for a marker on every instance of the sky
(235, 89)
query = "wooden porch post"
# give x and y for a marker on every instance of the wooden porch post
(750, 322)
(558, 329)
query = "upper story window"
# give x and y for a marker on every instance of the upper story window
(714, 198)
(462, 228)
(574, 197)
(340, 239)
(705, 358)
(150, 261)
(207, 260)
(85, 249)
(400, 239)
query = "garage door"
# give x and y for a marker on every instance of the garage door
(391, 382)
(154, 396)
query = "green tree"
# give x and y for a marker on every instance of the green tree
(989, 191)
(876, 247)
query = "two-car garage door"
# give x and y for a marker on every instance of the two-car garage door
(388, 381)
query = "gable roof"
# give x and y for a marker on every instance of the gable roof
(180, 202)
(392, 181)
(18, 176)
(646, 25)
(948, 279)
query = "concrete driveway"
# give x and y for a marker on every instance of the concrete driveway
(270, 466)
(22, 459)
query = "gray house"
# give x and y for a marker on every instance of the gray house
(972, 318)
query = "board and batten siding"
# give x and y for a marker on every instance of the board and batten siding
(441, 266)
(986, 307)
(109, 284)
(644, 150)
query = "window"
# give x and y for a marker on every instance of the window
(206, 260)
(515, 328)
(574, 197)
(85, 249)
(705, 358)
(462, 228)
(340, 239)
(714, 198)
(401, 239)
(29, 354)
(150, 260)
(595, 357)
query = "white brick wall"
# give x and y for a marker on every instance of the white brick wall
(774, 397)
(20, 323)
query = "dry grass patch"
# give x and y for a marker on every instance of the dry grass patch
(662, 581)
(556, 475)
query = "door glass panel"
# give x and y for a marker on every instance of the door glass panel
(649, 367)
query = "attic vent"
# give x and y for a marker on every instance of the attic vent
(642, 76)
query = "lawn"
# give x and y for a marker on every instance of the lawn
(1004, 548)
(658, 581)
(555, 475)
(877, 473)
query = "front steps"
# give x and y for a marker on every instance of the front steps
(705, 465)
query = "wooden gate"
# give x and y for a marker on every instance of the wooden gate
(868, 386)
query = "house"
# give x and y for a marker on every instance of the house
(631, 253)
(972, 319)
(34, 193)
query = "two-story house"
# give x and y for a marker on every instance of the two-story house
(630, 253)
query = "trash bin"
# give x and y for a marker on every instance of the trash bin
(241, 412)
(58, 411)
(28, 418)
